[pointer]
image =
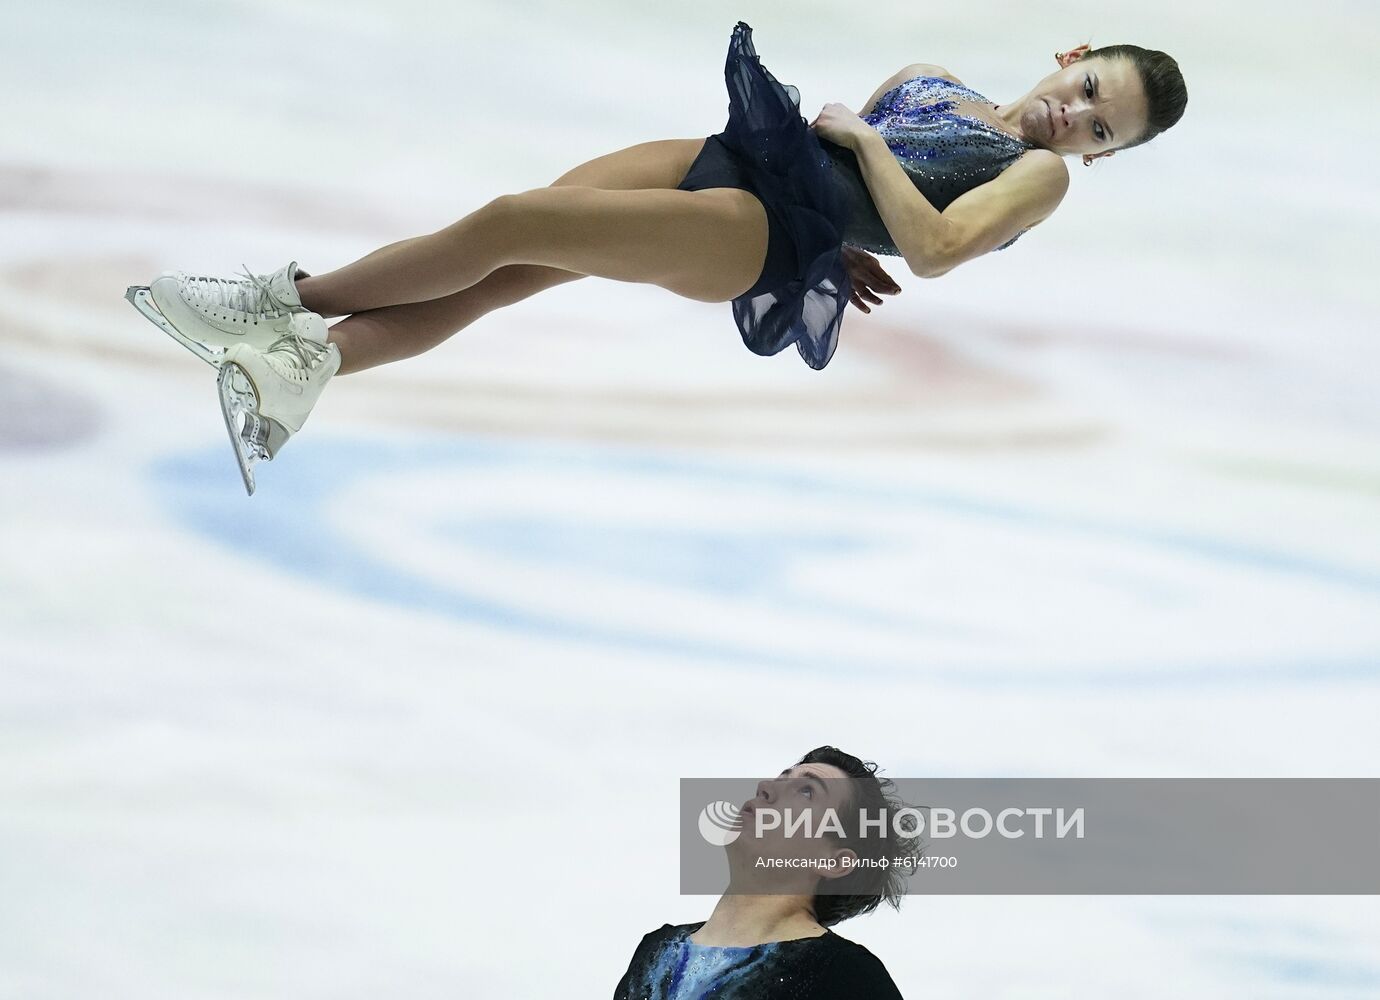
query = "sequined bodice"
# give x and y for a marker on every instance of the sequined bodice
(945, 151)
(699, 969)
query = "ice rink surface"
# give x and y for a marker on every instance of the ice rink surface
(411, 720)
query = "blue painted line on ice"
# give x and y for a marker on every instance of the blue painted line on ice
(284, 525)
(1329, 973)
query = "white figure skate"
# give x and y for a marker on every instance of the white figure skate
(267, 395)
(208, 315)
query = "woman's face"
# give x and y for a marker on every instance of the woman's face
(1089, 106)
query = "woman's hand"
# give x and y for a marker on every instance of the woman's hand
(868, 277)
(839, 125)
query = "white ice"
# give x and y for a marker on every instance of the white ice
(411, 721)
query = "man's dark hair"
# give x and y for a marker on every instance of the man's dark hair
(861, 890)
(1165, 93)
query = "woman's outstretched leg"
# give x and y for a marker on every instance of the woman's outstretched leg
(416, 269)
(705, 245)
(412, 270)
(377, 336)
(268, 337)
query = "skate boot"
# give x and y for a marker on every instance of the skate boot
(266, 395)
(206, 315)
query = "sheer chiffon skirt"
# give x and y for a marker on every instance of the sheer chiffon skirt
(791, 174)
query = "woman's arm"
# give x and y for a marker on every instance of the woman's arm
(984, 218)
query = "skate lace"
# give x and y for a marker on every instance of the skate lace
(293, 356)
(253, 296)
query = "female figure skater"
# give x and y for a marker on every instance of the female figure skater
(773, 215)
(768, 937)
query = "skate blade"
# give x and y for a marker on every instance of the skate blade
(141, 298)
(238, 398)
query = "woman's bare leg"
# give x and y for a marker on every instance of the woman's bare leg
(412, 270)
(705, 245)
(371, 337)
(377, 336)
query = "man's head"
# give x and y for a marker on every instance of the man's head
(840, 852)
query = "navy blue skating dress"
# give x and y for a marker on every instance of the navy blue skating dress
(815, 196)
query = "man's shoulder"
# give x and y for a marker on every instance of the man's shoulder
(858, 970)
(849, 945)
(670, 930)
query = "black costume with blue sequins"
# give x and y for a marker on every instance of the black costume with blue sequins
(814, 194)
(946, 153)
(669, 966)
